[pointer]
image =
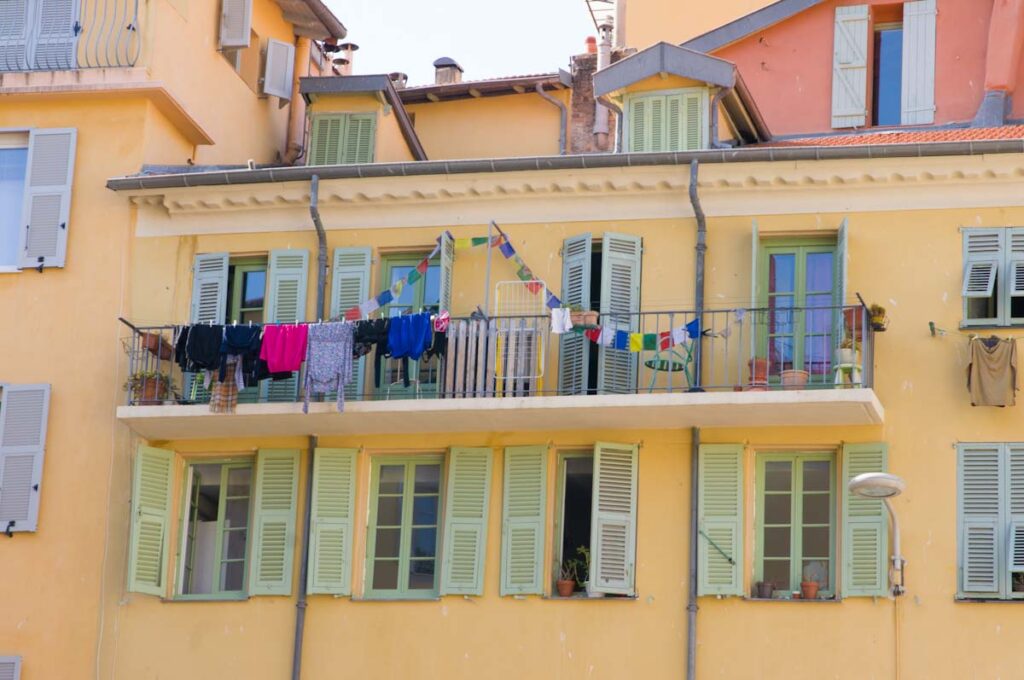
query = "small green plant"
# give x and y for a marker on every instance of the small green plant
(582, 565)
(877, 311)
(139, 379)
(568, 570)
(572, 307)
(849, 343)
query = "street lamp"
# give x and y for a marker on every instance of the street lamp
(884, 486)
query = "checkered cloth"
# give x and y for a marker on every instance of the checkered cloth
(224, 395)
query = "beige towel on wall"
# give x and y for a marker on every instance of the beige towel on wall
(992, 373)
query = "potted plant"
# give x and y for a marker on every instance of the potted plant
(794, 379)
(765, 590)
(583, 570)
(566, 583)
(809, 590)
(148, 387)
(813, 575)
(848, 352)
(758, 373)
(580, 316)
(879, 321)
(157, 345)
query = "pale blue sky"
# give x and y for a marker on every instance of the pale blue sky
(487, 37)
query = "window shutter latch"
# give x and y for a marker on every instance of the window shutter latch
(10, 526)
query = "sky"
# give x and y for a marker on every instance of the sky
(487, 37)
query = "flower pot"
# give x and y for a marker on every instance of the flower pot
(758, 371)
(853, 319)
(150, 392)
(765, 590)
(583, 318)
(879, 323)
(565, 587)
(794, 379)
(848, 356)
(157, 346)
(809, 590)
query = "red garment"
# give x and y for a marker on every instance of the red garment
(284, 347)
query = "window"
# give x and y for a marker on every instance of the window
(795, 536)
(575, 504)
(990, 528)
(247, 289)
(888, 73)
(10, 667)
(12, 193)
(402, 546)
(342, 138)
(44, 35)
(667, 121)
(216, 529)
(422, 296)
(993, 284)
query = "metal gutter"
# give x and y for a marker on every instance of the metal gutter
(570, 162)
(563, 117)
(691, 603)
(421, 94)
(300, 603)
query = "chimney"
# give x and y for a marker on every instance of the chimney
(447, 71)
(1002, 62)
(399, 79)
(346, 50)
(604, 60)
(342, 66)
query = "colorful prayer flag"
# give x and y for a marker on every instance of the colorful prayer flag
(553, 301)
(384, 298)
(592, 334)
(414, 276)
(524, 273)
(397, 287)
(461, 243)
(693, 328)
(621, 340)
(368, 307)
(506, 249)
(352, 314)
(534, 286)
(650, 341)
(665, 340)
(680, 335)
(479, 240)
(607, 337)
(636, 342)
(422, 266)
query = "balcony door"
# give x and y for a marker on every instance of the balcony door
(423, 295)
(39, 35)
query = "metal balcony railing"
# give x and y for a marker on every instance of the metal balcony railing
(59, 35)
(741, 349)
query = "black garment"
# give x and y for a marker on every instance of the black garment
(203, 346)
(180, 352)
(438, 346)
(374, 333)
(240, 340)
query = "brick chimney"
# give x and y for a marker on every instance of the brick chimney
(447, 71)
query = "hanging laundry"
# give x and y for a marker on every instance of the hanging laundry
(203, 346)
(441, 321)
(224, 392)
(438, 345)
(328, 361)
(409, 335)
(992, 372)
(284, 347)
(372, 335)
(561, 320)
(241, 341)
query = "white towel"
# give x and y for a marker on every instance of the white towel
(561, 321)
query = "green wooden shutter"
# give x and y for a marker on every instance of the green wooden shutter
(522, 534)
(333, 503)
(286, 303)
(638, 125)
(209, 288)
(620, 302)
(153, 476)
(613, 520)
(980, 494)
(24, 411)
(865, 526)
(277, 485)
(674, 115)
(358, 140)
(917, 98)
(465, 521)
(447, 263)
(574, 349)
(46, 206)
(1014, 489)
(720, 519)
(325, 145)
(850, 67)
(694, 127)
(350, 287)
(10, 666)
(655, 124)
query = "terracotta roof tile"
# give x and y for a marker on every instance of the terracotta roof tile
(907, 137)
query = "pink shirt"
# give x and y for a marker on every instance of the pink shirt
(284, 347)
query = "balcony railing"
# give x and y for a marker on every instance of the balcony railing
(68, 34)
(743, 350)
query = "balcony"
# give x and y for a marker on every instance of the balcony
(757, 368)
(67, 35)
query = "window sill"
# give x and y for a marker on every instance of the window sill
(988, 600)
(432, 598)
(989, 326)
(583, 597)
(9, 269)
(239, 597)
(797, 600)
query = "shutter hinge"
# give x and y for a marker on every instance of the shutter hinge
(77, 28)
(10, 526)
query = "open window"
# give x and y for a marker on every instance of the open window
(887, 76)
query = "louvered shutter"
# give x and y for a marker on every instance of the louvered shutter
(350, 287)
(983, 253)
(842, 266)
(279, 69)
(286, 303)
(14, 23)
(153, 476)
(277, 485)
(865, 526)
(674, 123)
(573, 348)
(850, 67)
(325, 148)
(613, 520)
(447, 263)
(209, 288)
(695, 129)
(333, 503)
(10, 667)
(1015, 262)
(465, 521)
(917, 98)
(357, 143)
(720, 519)
(638, 125)
(620, 304)
(979, 497)
(755, 292)
(56, 40)
(24, 411)
(522, 534)
(47, 200)
(1014, 465)
(655, 124)
(235, 23)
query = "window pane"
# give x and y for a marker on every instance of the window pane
(432, 285)
(232, 576)
(253, 286)
(819, 272)
(424, 543)
(251, 316)
(421, 574)
(781, 273)
(12, 186)
(234, 544)
(424, 510)
(392, 478)
(777, 572)
(776, 508)
(408, 296)
(816, 508)
(816, 541)
(817, 475)
(428, 479)
(888, 76)
(776, 542)
(385, 574)
(777, 475)
(236, 513)
(389, 511)
(780, 314)
(388, 541)
(239, 480)
(818, 354)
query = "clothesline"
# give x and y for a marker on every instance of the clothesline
(639, 342)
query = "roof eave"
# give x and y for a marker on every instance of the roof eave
(664, 58)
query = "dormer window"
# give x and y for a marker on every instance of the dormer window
(669, 120)
(343, 138)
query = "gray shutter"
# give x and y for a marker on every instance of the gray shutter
(522, 534)
(467, 499)
(850, 67)
(695, 128)
(1015, 262)
(620, 304)
(273, 522)
(14, 23)
(979, 499)
(279, 69)
(655, 124)
(333, 504)
(325, 147)
(209, 288)
(286, 303)
(574, 349)
(24, 410)
(984, 256)
(720, 519)
(638, 125)
(235, 23)
(10, 667)
(47, 202)
(613, 520)
(1014, 487)
(865, 526)
(350, 286)
(56, 42)
(447, 263)
(917, 98)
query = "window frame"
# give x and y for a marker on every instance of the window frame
(874, 85)
(559, 518)
(14, 140)
(388, 262)
(796, 516)
(403, 592)
(233, 462)
(1003, 286)
(238, 268)
(705, 106)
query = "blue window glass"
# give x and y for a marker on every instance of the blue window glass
(888, 81)
(12, 186)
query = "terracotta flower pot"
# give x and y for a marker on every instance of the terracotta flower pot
(765, 590)
(583, 318)
(853, 319)
(156, 345)
(151, 391)
(794, 379)
(758, 371)
(565, 587)
(809, 590)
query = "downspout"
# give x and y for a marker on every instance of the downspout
(713, 113)
(563, 116)
(618, 123)
(307, 513)
(294, 148)
(701, 248)
(691, 605)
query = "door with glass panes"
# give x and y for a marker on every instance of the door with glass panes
(247, 292)
(423, 295)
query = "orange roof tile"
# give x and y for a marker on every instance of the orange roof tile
(908, 136)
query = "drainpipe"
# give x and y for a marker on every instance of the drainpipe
(321, 237)
(715, 144)
(563, 116)
(691, 605)
(300, 604)
(293, 148)
(701, 248)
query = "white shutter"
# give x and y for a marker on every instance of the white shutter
(917, 99)
(979, 483)
(235, 23)
(209, 288)
(350, 287)
(620, 302)
(1015, 491)
(1015, 262)
(286, 303)
(23, 414)
(14, 23)
(47, 203)
(613, 520)
(10, 666)
(279, 69)
(850, 67)
(56, 43)
(574, 349)
(983, 252)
